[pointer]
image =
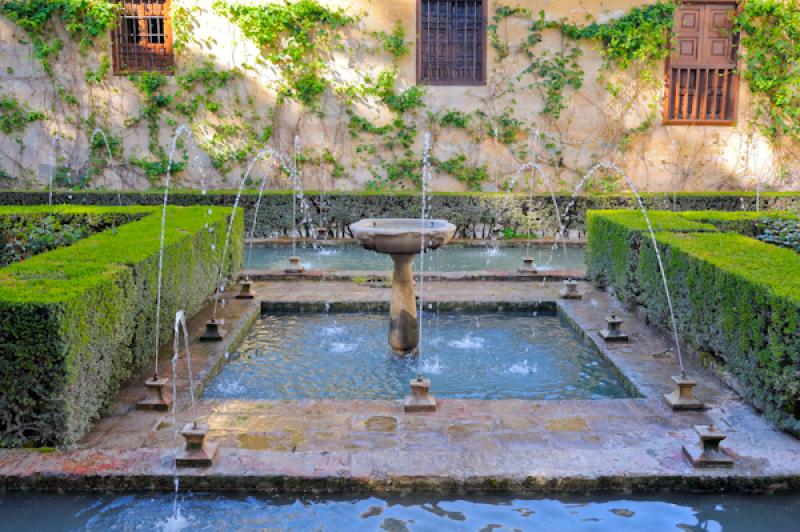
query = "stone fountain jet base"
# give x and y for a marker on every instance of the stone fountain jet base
(402, 238)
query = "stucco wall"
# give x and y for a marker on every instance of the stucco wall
(591, 129)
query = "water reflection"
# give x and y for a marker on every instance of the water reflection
(46, 512)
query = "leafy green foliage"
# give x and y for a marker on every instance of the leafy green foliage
(556, 72)
(737, 300)
(784, 233)
(14, 117)
(472, 176)
(294, 36)
(771, 51)
(78, 321)
(454, 118)
(24, 236)
(155, 170)
(393, 43)
(384, 87)
(640, 35)
(151, 85)
(85, 20)
(96, 76)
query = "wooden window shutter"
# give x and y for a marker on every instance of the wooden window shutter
(701, 80)
(142, 40)
(451, 42)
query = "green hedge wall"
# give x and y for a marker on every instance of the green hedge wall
(76, 322)
(23, 235)
(737, 300)
(475, 215)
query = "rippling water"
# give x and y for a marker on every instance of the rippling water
(447, 259)
(476, 356)
(45, 512)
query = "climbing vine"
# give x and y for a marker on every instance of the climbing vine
(301, 44)
(296, 37)
(639, 36)
(771, 52)
(85, 20)
(15, 117)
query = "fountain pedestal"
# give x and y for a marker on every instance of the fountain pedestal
(403, 324)
(682, 397)
(197, 452)
(246, 291)
(402, 239)
(419, 400)
(708, 453)
(157, 398)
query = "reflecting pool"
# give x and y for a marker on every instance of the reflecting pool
(450, 258)
(467, 355)
(49, 512)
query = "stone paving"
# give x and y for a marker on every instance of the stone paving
(467, 445)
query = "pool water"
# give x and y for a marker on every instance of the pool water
(50, 512)
(473, 356)
(451, 258)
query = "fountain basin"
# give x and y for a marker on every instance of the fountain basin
(402, 236)
(462, 257)
(524, 352)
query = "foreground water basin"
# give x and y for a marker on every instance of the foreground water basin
(451, 258)
(49, 512)
(473, 356)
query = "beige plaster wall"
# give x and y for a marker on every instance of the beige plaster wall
(589, 130)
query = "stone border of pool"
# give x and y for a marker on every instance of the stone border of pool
(370, 276)
(382, 276)
(469, 446)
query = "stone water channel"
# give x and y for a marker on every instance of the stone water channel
(545, 451)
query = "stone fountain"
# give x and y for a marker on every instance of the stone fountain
(402, 238)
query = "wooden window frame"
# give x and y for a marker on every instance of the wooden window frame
(734, 84)
(483, 42)
(119, 33)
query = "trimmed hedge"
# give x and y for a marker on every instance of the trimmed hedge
(23, 235)
(736, 299)
(475, 214)
(76, 322)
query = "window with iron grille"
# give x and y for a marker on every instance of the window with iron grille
(451, 42)
(142, 40)
(702, 84)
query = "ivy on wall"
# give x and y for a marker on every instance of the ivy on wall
(295, 37)
(771, 54)
(15, 117)
(85, 20)
(298, 40)
(642, 36)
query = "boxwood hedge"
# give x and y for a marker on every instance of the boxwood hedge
(737, 300)
(76, 322)
(24, 234)
(475, 214)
